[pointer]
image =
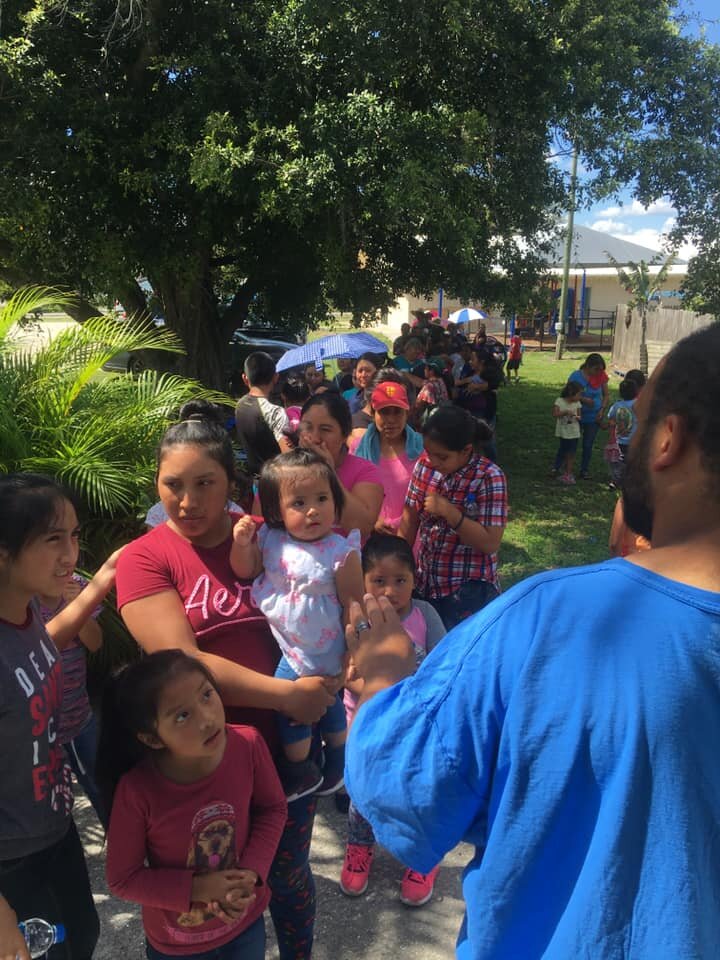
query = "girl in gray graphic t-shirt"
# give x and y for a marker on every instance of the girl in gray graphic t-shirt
(42, 867)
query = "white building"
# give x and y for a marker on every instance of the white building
(593, 279)
(594, 289)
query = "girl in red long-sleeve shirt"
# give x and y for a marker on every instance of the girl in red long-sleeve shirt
(197, 811)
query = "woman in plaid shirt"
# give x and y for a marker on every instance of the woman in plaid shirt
(457, 504)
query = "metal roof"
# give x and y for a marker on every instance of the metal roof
(590, 249)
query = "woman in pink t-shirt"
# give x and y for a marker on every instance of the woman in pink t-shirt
(325, 425)
(393, 446)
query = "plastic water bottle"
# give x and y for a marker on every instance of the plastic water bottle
(41, 935)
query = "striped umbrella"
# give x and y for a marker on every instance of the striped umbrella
(466, 315)
(347, 345)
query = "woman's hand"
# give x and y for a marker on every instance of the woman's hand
(12, 942)
(319, 447)
(310, 697)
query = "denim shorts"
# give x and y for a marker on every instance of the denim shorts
(471, 597)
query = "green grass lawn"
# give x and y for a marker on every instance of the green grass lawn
(550, 525)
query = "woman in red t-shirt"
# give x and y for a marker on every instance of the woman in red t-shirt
(176, 589)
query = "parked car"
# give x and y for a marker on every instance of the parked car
(244, 341)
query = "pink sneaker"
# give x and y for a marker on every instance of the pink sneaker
(567, 479)
(417, 888)
(356, 869)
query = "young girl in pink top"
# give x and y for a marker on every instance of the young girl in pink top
(389, 571)
(197, 810)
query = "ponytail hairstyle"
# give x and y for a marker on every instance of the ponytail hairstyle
(454, 428)
(384, 546)
(201, 424)
(130, 707)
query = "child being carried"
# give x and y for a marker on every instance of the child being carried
(305, 578)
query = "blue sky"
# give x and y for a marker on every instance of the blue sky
(626, 218)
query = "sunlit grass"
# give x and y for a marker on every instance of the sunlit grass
(550, 525)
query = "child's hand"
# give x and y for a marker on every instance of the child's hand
(105, 577)
(12, 942)
(382, 527)
(110, 564)
(438, 505)
(225, 890)
(248, 879)
(244, 531)
(72, 590)
(351, 671)
(238, 900)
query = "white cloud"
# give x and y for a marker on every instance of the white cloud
(636, 209)
(657, 240)
(645, 237)
(656, 207)
(611, 212)
(610, 226)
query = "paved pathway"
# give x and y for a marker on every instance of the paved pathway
(376, 925)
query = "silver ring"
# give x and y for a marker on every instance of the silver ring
(361, 625)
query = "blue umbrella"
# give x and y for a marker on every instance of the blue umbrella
(347, 345)
(466, 315)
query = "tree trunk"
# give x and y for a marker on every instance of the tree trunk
(643, 342)
(191, 311)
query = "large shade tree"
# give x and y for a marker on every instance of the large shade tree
(293, 154)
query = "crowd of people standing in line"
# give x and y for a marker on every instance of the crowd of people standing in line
(214, 747)
(202, 739)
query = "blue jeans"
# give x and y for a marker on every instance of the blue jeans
(471, 597)
(589, 432)
(333, 721)
(81, 752)
(248, 945)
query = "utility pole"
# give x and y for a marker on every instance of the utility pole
(562, 329)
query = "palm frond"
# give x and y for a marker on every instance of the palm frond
(29, 300)
(96, 433)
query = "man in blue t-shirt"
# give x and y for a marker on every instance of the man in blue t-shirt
(569, 731)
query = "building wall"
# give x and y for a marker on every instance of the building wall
(605, 291)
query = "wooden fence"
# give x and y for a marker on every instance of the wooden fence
(664, 328)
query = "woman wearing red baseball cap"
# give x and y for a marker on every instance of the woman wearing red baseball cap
(390, 443)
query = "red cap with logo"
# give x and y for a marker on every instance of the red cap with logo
(389, 394)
